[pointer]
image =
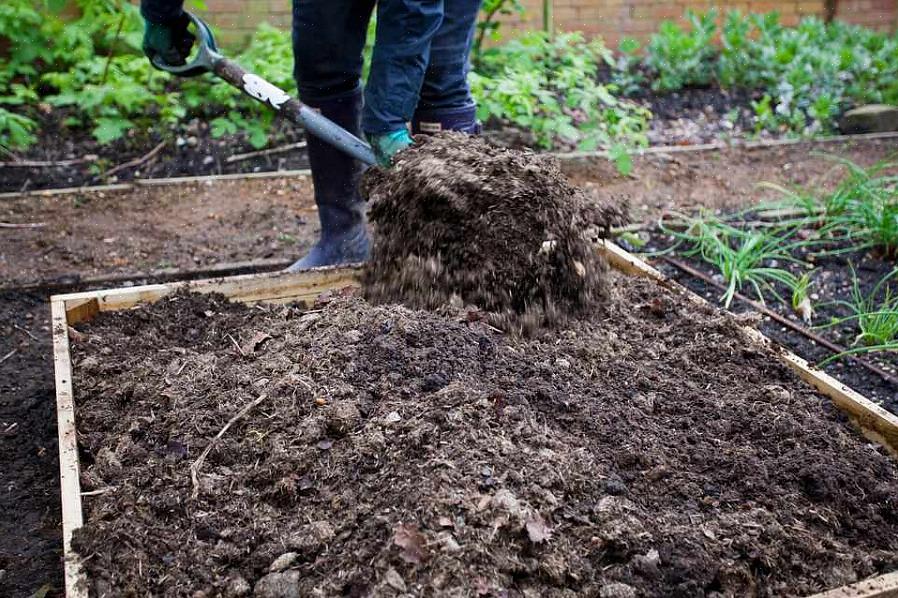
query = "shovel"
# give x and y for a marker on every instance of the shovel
(209, 60)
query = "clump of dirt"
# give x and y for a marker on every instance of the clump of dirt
(361, 450)
(460, 220)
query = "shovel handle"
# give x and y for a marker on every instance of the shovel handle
(209, 59)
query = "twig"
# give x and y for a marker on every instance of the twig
(118, 33)
(237, 346)
(23, 225)
(266, 152)
(42, 163)
(8, 355)
(136, 162)
(98, 491)
(195, 468)
(835, 348)
(17, 327)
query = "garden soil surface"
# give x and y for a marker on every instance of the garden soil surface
(832, 281)
(191, 226)
(196, 225)
(375, 450)
(448, 227)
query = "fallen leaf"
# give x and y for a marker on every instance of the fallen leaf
(412, 542)
(394, 580)
(537, 530)
(76, 336)
(255, 342)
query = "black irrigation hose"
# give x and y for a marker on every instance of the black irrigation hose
(835, 348)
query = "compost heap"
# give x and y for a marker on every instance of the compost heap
(459, 220)
(651, 449)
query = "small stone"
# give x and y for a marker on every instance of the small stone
(310, 539)
(873, 118)
(343, 417)
(617, 590)
(448, 542)
(237, 587)
(394, 580)
(283, 562)
(278, 585)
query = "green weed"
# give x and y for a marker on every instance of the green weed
(875, 316)
(743, 257)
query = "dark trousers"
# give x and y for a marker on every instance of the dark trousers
(420, 60)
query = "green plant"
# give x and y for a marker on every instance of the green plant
(627, 73)
(801, 300)
(269, 54)
(488, 25)
(861, 213)
(681, 58)
(550, 87)
(810, 73)
(742, 257)
(875, 315)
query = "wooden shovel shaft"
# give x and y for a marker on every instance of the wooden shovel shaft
(259, 89)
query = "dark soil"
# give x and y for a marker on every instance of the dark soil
(698, 115)
(651, 450)
(30, 533)
(458, 219)
(190, 151)
(832, 281)
(686, 117)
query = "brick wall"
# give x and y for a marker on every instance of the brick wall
(877, 14)
(612, 19)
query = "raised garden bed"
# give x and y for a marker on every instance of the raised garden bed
(699, 409)
(820, 268)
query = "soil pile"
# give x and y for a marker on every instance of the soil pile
(375, 450)
(459, 220)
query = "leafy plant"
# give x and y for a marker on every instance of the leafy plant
(810, 73)
(861, 213)
(550, 87)
(488, 24)
(742, 257)
(875, 315)
(681, 58)
(801, 300)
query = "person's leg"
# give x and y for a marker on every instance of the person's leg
(446, 102)
(328, 40)
(405, 29)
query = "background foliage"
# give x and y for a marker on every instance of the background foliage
(88, 72)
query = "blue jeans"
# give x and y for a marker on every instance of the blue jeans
(420, 61)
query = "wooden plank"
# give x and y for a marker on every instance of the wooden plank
(884, 586)
(875, 422)
(69, 470)
(250, 288)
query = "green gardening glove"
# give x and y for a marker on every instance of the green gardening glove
(169, 42)
(386, 145)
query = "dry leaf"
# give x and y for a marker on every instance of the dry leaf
(412, 542)
(255, 342)
(537, 530)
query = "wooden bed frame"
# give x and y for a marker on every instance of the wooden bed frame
(874, 422)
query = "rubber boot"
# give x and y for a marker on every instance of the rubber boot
(433, 120)
(341, 209)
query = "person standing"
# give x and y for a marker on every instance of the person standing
(418, 75)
